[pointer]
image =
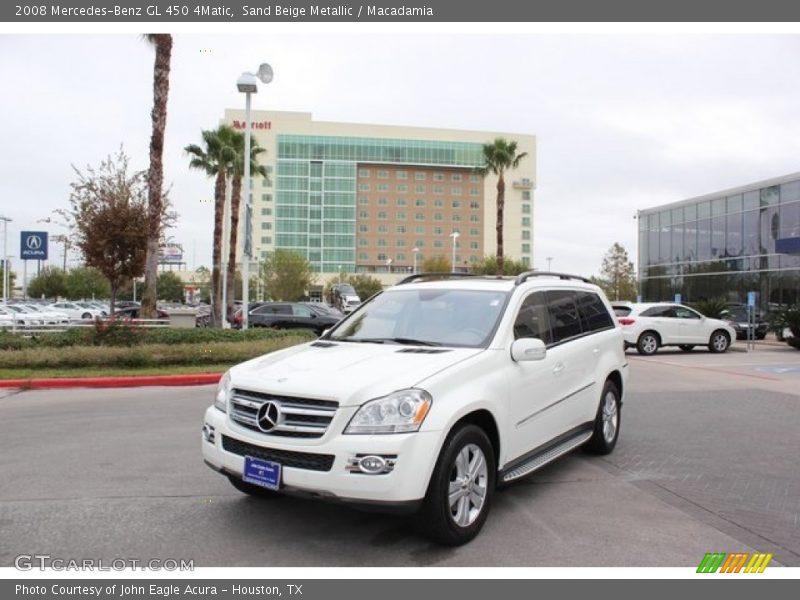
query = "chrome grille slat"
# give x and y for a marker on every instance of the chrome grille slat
(299, 417)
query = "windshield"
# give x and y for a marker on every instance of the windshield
(346, 290)
(425, 317)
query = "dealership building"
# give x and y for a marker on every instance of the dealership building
(379, 198)
(724, 245)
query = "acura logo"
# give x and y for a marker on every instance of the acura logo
(268, 415)
(33, 242)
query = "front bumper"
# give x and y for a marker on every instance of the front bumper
(405, 486)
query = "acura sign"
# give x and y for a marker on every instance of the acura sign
(33, 245)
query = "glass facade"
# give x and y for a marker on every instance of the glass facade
(316, 193)
(722, 247)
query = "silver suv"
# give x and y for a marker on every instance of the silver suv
(427, 397)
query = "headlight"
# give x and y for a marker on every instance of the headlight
(223, 391)
(399, 412)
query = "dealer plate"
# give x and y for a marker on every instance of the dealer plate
(265, 473)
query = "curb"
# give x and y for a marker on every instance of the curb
(112, 382)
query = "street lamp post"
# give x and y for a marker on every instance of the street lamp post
(5, 221)
(248, 86)
(415, 251)
(455, 236)
(549, 263)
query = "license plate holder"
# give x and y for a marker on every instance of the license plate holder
(263, 473)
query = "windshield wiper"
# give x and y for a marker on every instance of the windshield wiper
(359, 340)
(411, 341)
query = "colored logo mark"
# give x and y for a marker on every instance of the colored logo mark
(736, 562)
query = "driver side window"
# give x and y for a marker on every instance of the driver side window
(532, 320)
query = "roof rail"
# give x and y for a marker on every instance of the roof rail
(523, 277)
(418, 276)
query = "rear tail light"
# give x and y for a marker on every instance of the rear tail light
(626, 321)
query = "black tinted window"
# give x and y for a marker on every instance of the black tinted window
(594, 313)
(658, 311)
(565, 320)
(622, 311)
(274, 309)
(532, 320)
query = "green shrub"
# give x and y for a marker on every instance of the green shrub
(711, 308)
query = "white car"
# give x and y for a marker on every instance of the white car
(49, 317)
(76, 312)
(648, 326)
(18, 317)
(426, 398)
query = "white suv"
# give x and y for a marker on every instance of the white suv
(648, 326)
(427, 397)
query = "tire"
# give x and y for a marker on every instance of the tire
(719, 342)
(250, 489)
(648, 343)
(466, 446)
(686, 347)
(86, 316)
(606, 422)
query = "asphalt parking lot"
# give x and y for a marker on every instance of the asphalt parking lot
(706, 462)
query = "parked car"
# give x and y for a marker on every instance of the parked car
(343, 296)
(650, 325)
(19, 317)
(49, 317)
(736, 316)
(427, 398)
(75, 312)
(325, 309)
(290, 315)
(132, 312)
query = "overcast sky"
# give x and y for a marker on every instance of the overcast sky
(622, 123)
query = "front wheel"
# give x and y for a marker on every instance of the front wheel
(461, 488)
(719, 342)
(606, 422)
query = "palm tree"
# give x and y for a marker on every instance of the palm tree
(155, 178)
(216, 160)
(236, 195)
(499, 157)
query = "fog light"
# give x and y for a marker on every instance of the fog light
(371, 464)
(209, 434)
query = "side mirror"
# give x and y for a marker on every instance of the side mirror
(526, 349)
(326, 332)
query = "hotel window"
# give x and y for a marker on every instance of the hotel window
(474, 245)
(475, 205)
(266, 240)
(400, 229)
(362, 214)
(402, 174)
(401, 257)
(383, 201)
(383, 174)
(419, 176)
(363, 187)
(363, 242)
(438, 189)
(526, 235)
(382, 215)
(402, 188)
(363, 200)
(438, 217)
(456, 218)
(363, 172)
(400, 215)
(438, 176)
(266, 211)
(382, 256)
(437, 231)
(419, 244)
(401, 243)
(526, 248)
(419, 216)
(383, 228)
(419, 202)
(526, 221)
(266, 226)
(363, 256)
(474, 192)
(474, 219)
(437, 243)
(382, 243)
(526, 209)
(474, 232)
(456, 177)
(420, 229)
(456, 204)
(383, 187)
(401, 202)
(363, 228)
(438, 203)
(420, 189)
(455, 191)
(474, 178)
(526, 195)
(266, 197)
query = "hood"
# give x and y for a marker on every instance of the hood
(350, 373)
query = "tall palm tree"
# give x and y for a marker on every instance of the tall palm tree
(499, 157)
(216, 160)
(236, 195)
(155, 178)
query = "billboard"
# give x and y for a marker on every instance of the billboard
(33, 245)
(170, 253)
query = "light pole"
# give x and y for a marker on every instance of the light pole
(389, 264)
(5, 221)
(415, 250)
(455, 236)
(248, 86)
(549, 263)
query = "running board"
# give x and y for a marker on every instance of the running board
(539, 460)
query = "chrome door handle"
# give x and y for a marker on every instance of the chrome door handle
(558, 368)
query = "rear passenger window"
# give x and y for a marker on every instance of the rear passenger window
(594, 313)
(565, 320)
(532, 320)
(658, 311)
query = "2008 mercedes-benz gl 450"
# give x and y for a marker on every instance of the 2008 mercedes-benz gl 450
(427, 397)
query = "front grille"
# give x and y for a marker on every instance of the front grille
(298, 417)
(287, 458)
